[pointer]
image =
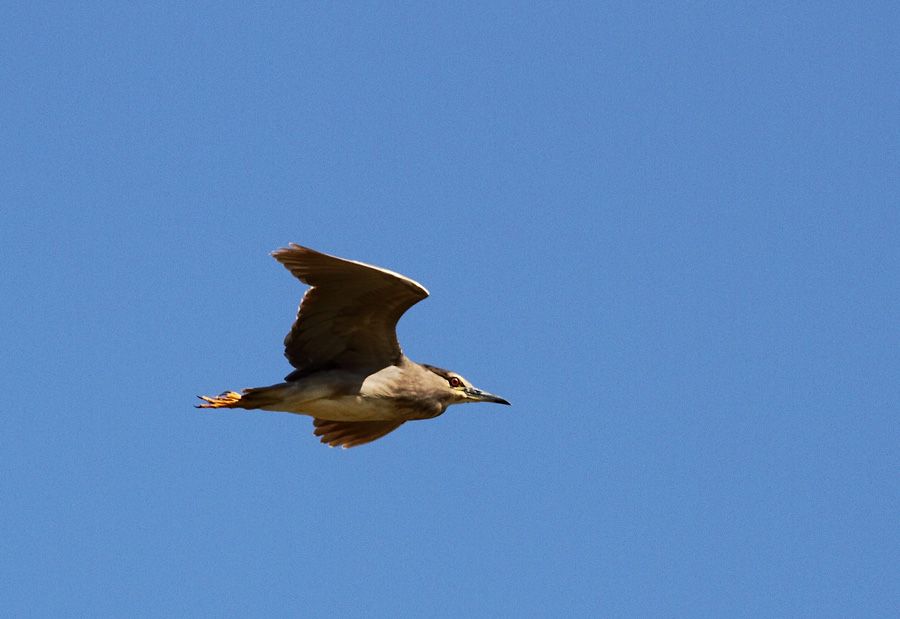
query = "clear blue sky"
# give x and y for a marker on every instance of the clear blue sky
(670, 235)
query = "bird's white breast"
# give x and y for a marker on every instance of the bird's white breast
(343, 396)
(353, 408)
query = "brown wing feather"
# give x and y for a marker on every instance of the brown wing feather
(352, 433)
(348, 317)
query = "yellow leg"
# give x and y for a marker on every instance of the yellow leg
(229, 399)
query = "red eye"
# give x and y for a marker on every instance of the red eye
(455, 382)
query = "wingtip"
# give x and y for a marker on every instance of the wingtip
(290, 248)
(277, 252)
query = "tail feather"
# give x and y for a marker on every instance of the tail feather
(255, 397)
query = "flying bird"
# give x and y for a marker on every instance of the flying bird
(350, 374)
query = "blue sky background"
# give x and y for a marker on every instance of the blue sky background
(668, 234)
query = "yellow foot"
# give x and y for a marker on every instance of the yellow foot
(225, 400)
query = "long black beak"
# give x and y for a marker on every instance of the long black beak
(483, 396)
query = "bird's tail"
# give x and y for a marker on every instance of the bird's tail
(257, 397)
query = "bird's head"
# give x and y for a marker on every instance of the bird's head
(458, 390)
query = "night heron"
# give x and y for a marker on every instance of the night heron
(351, 376)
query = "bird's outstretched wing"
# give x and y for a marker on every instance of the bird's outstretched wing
(352, 433)
(348, 318)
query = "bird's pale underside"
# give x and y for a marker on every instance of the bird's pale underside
(350, 374)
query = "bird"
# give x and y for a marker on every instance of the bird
(350, 374)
